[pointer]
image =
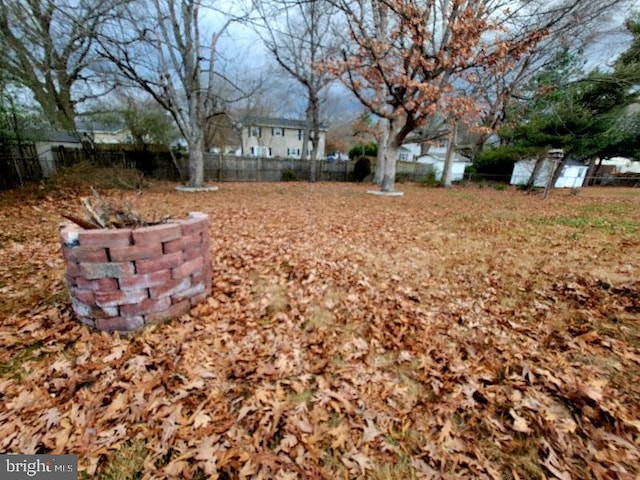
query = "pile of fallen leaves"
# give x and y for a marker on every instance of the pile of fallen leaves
(445, 334)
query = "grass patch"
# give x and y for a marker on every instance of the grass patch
(127, 463)
(272, 298)
(614, 209)
(590, 223)
(401, 470)
(14, 366)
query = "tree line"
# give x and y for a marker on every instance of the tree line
(423, 70)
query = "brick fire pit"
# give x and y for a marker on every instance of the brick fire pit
(123, 279)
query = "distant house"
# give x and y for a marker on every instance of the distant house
(96, 132)
(621, 165)
(277, 137)
(572, 175)
(436, 160)
(409, 152)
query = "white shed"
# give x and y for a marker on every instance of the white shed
(458, 166)
(46, 144)
(572, 176)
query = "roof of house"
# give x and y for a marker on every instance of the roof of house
(438, 157)
(88, 126)
(278, 123)
(57, 136)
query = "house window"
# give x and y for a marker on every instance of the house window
(300, 134)
(277, 132)
(293, 152)
(261, 152)
(255, 132)
(404, 156)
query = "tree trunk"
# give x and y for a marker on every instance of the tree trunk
(389, 171)
(196, 160)
(551, 179)
(445, 181)
(558, 167)
(536, 168)
(383, 140)
(57, 108)
(590, 171)
(306, 137)
(314, 113)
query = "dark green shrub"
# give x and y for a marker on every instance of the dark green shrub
(362, 169)
(429, 179)
(289, 175)
(498, 162)
(367, 150)
(404, 177)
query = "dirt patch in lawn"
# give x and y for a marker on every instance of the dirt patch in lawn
(471, 333)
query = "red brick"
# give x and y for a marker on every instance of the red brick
(72, 281)
(170, 288)
(165, 262)
(145, 307)
(66, 254)
(194, 225)
(135, 252)
(202, 276)
(105, 238)
(196, 299)
(105, 312)
(113, 299)
(73, 269)
(85, 296)
(98, 285)
(126, 324)
(176, 310)
(193, 252)
(145, 280)
(156, 234)
(87, 254)
(187, 268)
(189, 292)
(182, 243)
(93, 271)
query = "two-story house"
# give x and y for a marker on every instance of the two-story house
(277, 137)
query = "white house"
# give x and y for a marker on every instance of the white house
(97, 132)
(409, 152)
(572, 176)
(277, 137)
(622, 165)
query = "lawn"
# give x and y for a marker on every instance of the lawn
(469, 333)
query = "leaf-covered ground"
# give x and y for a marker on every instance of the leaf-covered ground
(471, 333)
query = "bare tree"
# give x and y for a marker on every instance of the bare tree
(410, 60)
(299, 35)
(48, 47)
(162, 47)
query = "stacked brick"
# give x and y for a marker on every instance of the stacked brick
(126, 278)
